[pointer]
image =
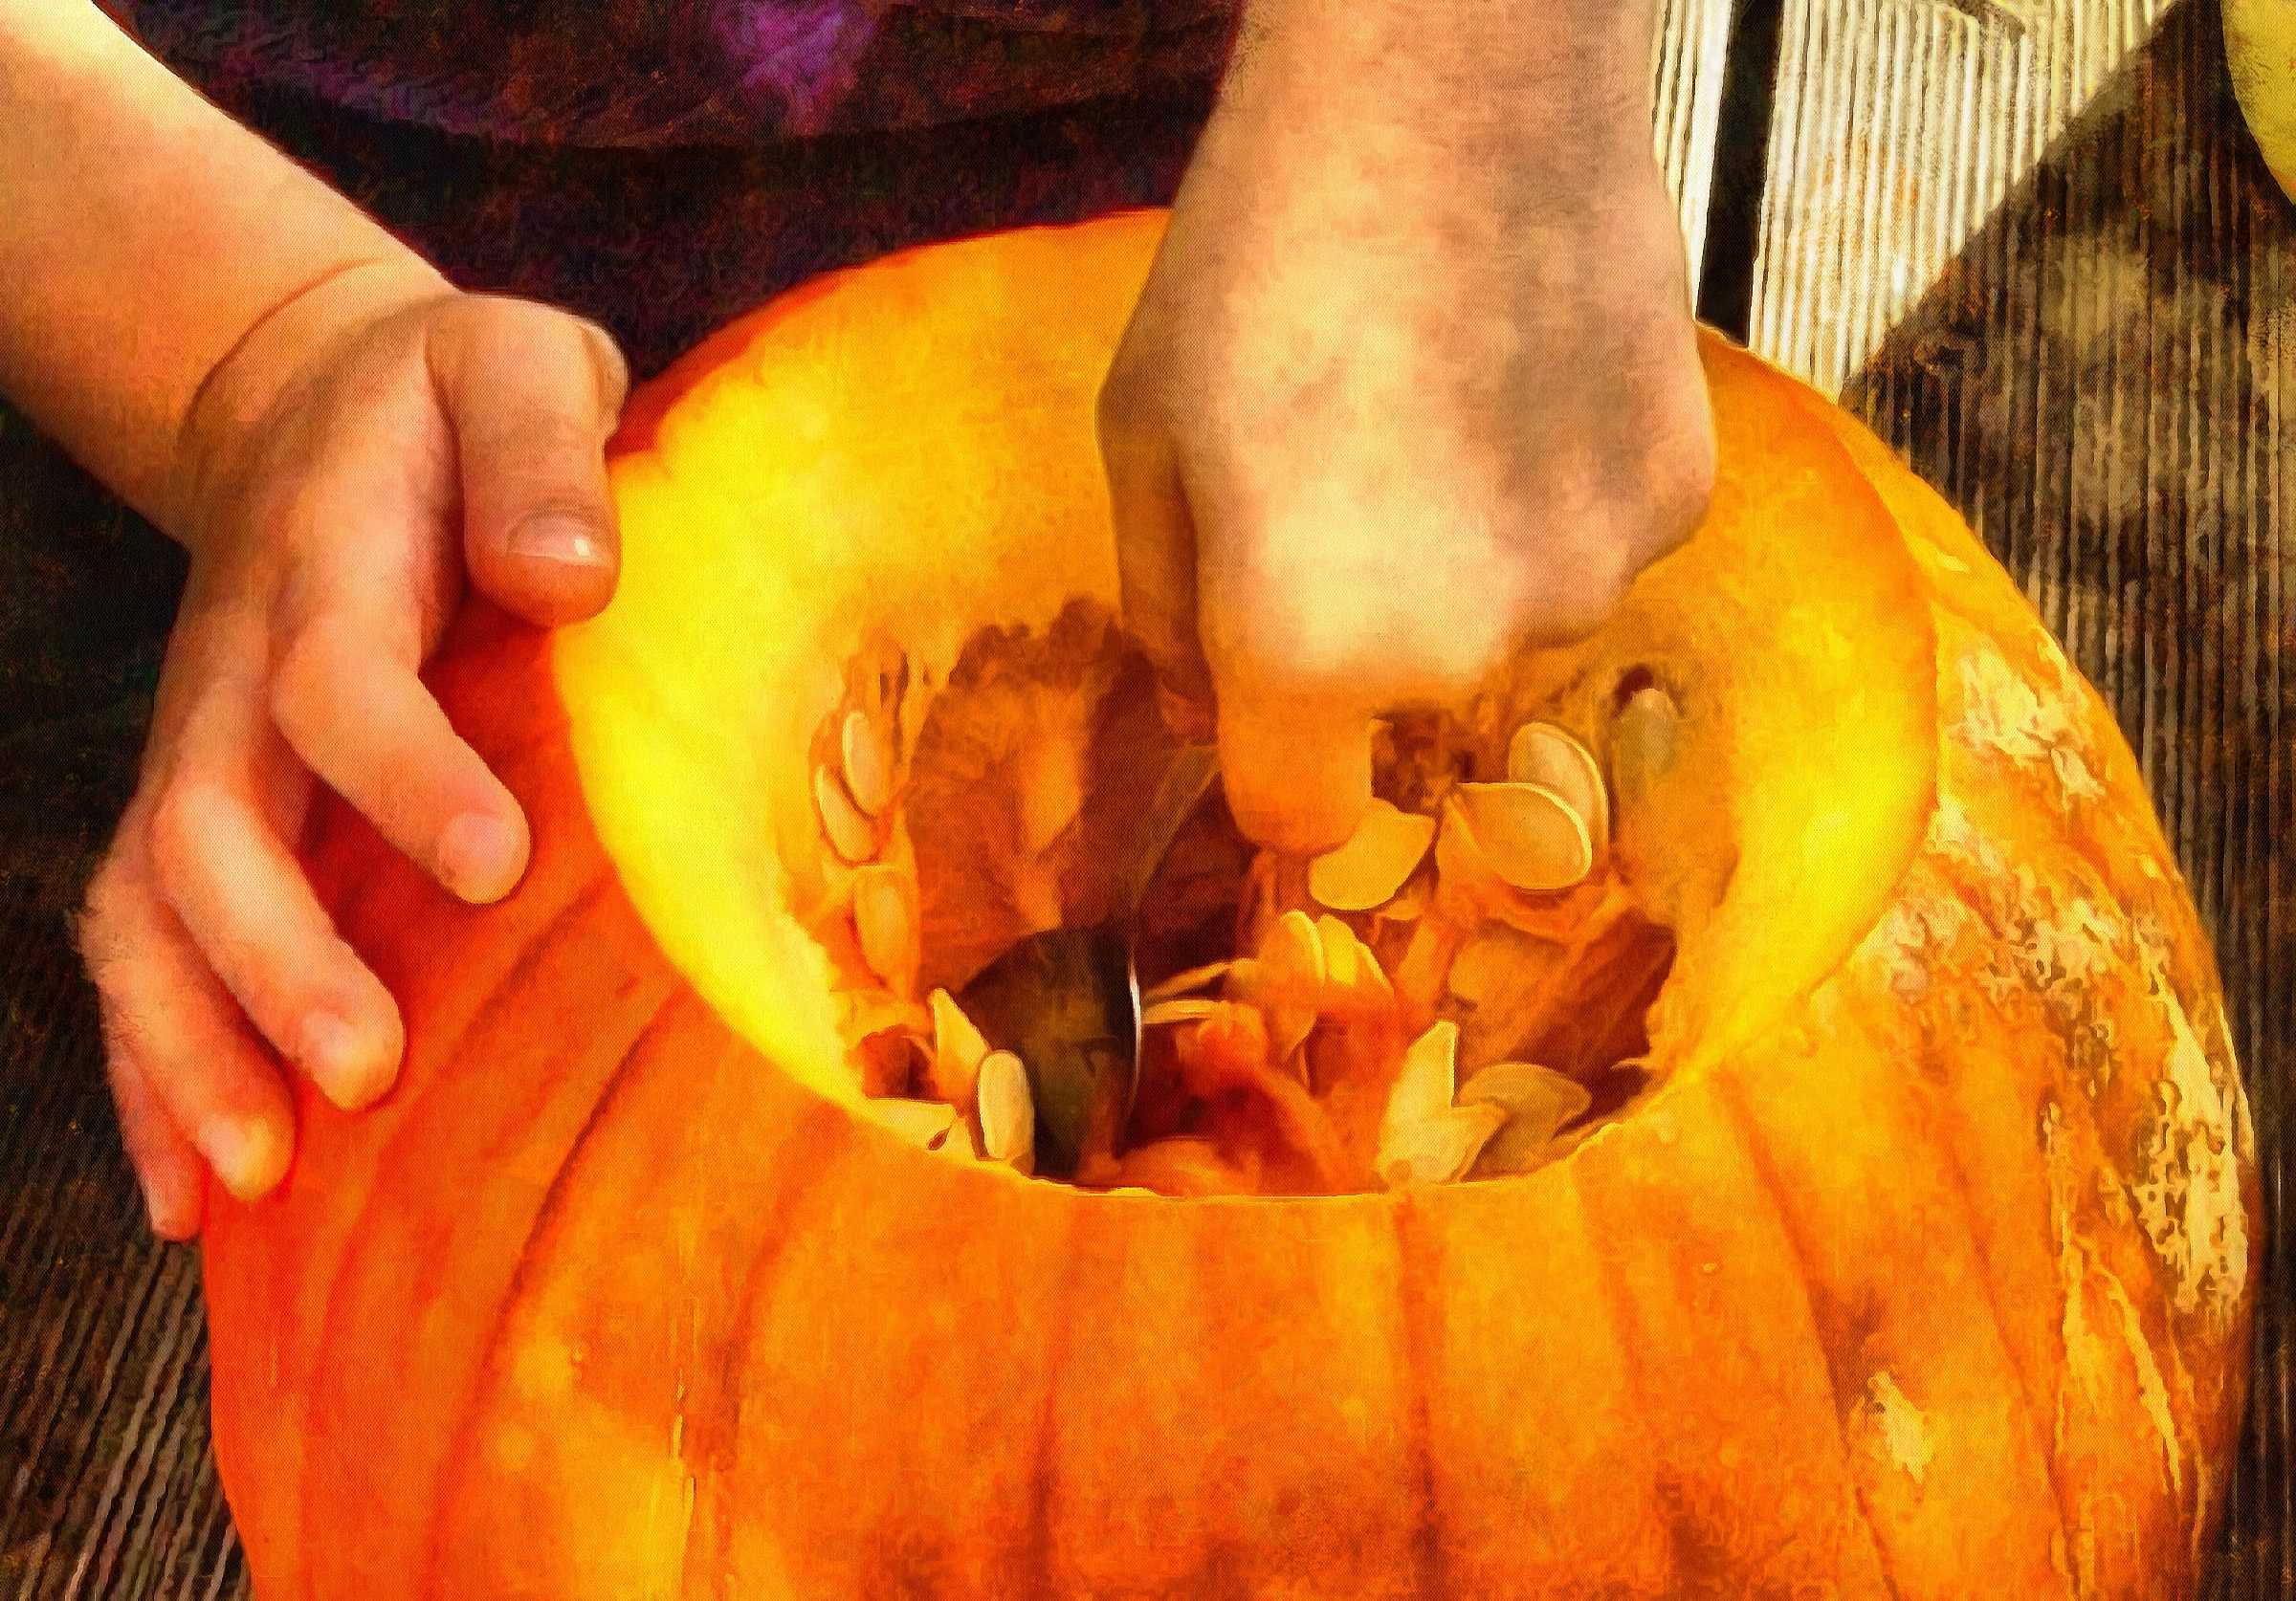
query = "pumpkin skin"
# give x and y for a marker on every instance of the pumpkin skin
(1925, 1273)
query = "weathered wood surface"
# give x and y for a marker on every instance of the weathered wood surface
(107, 1489)
(1688, 59)
(1900, 128)
(2039, 255)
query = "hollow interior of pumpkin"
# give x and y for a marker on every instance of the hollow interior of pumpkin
(1301, 1033)
(896, 481)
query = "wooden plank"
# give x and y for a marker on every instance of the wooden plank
(1687, 58)
(1900, 126)
(107, 1488)
(2046, 263)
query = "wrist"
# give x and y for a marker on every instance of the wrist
(1575, 69)
(1520, 120)
(271, 357)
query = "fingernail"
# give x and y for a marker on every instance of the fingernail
(478, 857)
(152, 1215)
(555, 537)
(342, 1060)
(246, 1153)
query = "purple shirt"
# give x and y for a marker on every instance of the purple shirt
(651, 163)
(687, 72)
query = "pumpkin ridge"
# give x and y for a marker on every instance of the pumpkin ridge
(592, 891)
(2077, 1105)
(2044, 1445)
(354, 870)
(1044, 1448)
(460, 1449)
(503, 995)
(346, 855)
(328, 1326)
(1416, 1263)
(1728, 1095)
(803, 1187)
(1682, 1540)
(2104, 1243)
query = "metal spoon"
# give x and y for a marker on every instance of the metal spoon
(1066, 1001)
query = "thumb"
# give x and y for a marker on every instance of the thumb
(1156, 548)
(1297, 771)
(534, 392)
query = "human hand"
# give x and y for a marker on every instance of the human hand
(1413, 382)
(362, 452)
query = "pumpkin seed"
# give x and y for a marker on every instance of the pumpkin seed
(958, 1050)
(921, 1123)
(1419, 976)
(1425, 1138)
(884, 920)
(1549, 756)
(1439, 1149)
(1348, 966)
(869, 762)
(1008, 1116)
(1537, 1101)
(1187, 982)
(851, 834)
(1429, 1079)
(1643, 739)
(1337, 943)
(1529, 836)
(1181, 1010)
(1388, 844)
(1285, 979)
(1477, 970)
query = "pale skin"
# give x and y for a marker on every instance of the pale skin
(1412, 385)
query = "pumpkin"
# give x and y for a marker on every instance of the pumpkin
(2260, 51)
(1898, 1241)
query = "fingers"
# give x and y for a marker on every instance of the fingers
(534, 394)
(179, 1048)
(246, 906)
(1298, 773)
(1296, 769)
(1156, 544)
(298, 653)
(207, 845)
(350, 704)
(167, 1165)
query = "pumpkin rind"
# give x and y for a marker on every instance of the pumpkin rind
(1924, 1274)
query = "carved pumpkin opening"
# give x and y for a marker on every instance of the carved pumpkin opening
(1459, 991)
(877, 722)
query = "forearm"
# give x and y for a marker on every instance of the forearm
(144, 237)
(1505, 113)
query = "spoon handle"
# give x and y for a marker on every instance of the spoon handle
(1180, 790)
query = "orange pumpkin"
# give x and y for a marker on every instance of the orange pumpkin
(1918, 1267)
